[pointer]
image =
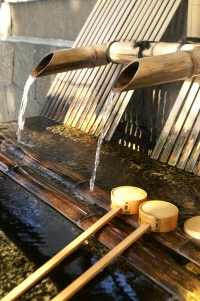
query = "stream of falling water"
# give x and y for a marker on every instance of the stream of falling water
(106, 110)
(105, 113)
(24, 101)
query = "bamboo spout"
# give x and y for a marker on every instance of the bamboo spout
(71, 59)
(159, 69)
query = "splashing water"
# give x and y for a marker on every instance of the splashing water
(106, 111)
(24, 101)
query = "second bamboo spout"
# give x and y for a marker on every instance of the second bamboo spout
(159, 69)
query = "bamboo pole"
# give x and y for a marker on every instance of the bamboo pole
(155, 49)
(50, 62)
(147, 71)
(55, 260)
(75, 286)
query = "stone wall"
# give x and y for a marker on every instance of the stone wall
(19, 59)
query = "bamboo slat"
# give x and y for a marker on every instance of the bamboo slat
(179, 142)
(184, 135)
(191, 163)
(163, 137)
(77, 97)
(188, 147)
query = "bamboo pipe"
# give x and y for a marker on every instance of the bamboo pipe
(153, 215)
(134, 197)
(98, 55)
(71, 59)
(124, 52)
(158, 70)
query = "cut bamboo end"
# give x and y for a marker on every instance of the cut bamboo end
(161, 215)
(128, 198)
(192, 227)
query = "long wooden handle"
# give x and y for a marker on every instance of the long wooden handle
(49, 265)
(103, 262)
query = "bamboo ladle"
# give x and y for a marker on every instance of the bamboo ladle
(155, 215)
(192, 226)
(129, 204)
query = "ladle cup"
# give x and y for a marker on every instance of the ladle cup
(155, 215)
(133, 197)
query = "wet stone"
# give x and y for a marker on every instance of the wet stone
(15, 267)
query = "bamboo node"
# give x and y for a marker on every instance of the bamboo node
(195, 63)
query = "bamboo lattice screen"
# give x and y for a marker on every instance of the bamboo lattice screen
(77, 98)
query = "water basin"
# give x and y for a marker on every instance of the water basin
(36, 231)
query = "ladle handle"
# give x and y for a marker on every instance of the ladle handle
(49, 265)
(70, 290)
